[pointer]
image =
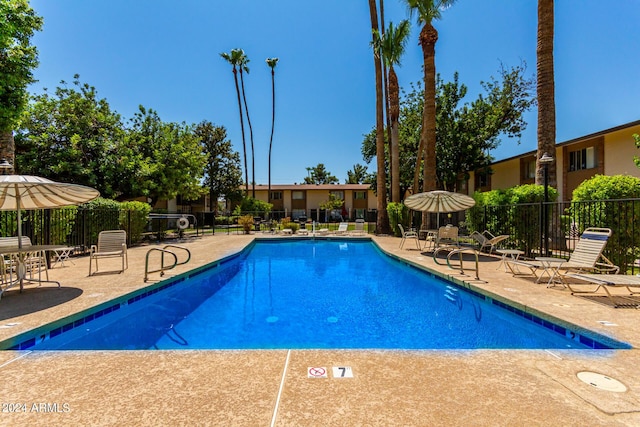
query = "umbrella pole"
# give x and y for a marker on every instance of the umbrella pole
(21, 269)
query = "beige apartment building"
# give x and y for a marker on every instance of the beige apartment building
(296, 200)
(304, 200)
(608, 152)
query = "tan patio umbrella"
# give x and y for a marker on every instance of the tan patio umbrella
(18, 192)
(439, 201)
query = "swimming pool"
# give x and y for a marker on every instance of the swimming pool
(312, 294)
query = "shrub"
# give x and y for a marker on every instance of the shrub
(294, 226)
(514, 211)
(246, 222)
(134, 216)
(398, 214)
(253, 206)
(100, 214)
(616, 216)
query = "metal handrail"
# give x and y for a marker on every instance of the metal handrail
(163, 268)
(459, 251)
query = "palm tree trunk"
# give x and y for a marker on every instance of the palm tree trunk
(382, 220)
(244, 143)
(7, 147)
(546, 91)
(387, 102)
(273, 121)
(394, 114)
(253, 163)
(428, 38)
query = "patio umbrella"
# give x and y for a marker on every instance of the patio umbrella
(18, 192)
(439, 201)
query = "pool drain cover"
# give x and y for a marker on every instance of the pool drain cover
(601, 382)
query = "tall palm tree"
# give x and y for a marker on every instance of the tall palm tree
(244, 60)
(272, 62)
(382, 220)
(392, 44)
(234, 58)
(427, 11)
(546, 89)
(385, 88)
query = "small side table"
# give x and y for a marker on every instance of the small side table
(61, 255)
(514, 254)
(551, 267)
(430, 237)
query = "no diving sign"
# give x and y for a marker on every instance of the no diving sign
(316, 372)
(337, 371)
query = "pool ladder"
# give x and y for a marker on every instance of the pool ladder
(164, 267)
(457, 250)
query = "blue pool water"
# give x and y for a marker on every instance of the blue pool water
(313, 294)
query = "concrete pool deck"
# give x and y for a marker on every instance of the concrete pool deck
(265, 388)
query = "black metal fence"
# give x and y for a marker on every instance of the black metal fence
(274, 220)
(565, 221)
(72, 226)
(524, 223)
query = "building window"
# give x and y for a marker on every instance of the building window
(338, 195)
(360, 213)
(297, 195)
(483, 180)
(530, 169)
(582, 159)
(360, 195)
(276, 195)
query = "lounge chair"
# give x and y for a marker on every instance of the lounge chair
(322, 231)
(587, 257)
(607, 282)
(342, 228)
(111, 244)
(410, 234)
(447, 236)
(488, 240)
(359, 229)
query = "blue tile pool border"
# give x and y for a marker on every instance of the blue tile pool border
(30, 338)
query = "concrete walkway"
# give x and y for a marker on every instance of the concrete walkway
(272, 388)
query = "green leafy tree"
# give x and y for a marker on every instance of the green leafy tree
(71, 136)
(272, 62)
(222, 174)
(359, 175)
(166, 159)
(235, 58)
(320, 175)
(332, 203)
(18, 23)
(466, 133)
(253, 206)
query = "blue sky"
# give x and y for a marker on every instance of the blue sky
(164, 55)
